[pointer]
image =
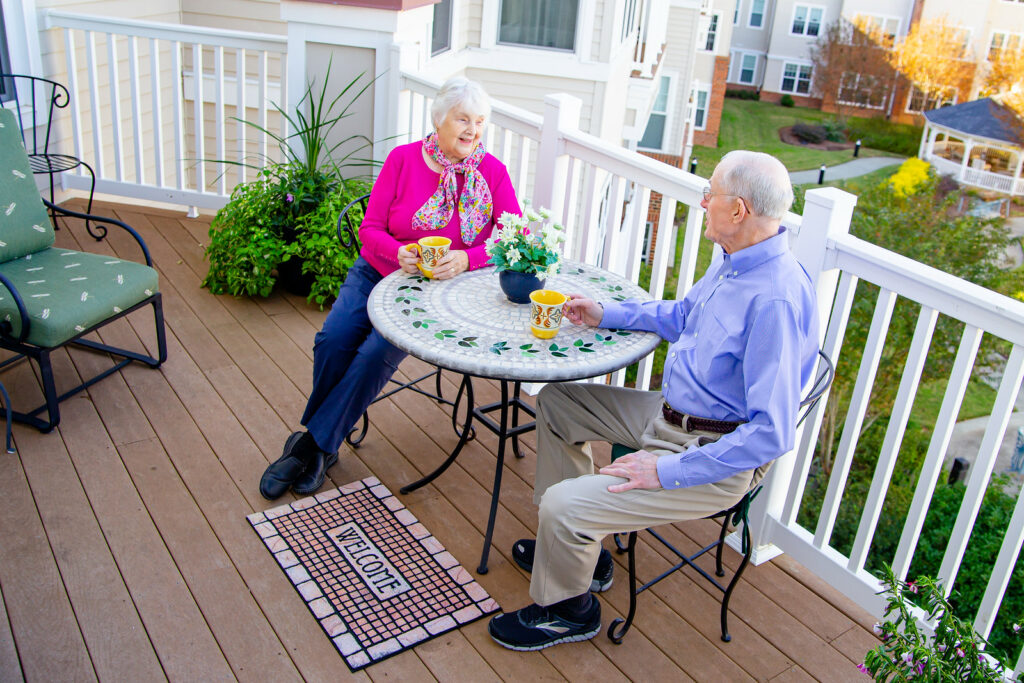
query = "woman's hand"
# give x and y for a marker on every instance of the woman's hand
(408, 257)
(453, 263)
(583, 311)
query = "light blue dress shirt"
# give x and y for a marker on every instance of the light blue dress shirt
(744, 342)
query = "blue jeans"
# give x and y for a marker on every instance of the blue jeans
(351, 362)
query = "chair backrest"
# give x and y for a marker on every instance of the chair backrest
(24, 224)
(41, 98)
(347, 227)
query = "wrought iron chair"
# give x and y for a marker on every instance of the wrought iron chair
(737, 516)
(348, 225)
(51, 297)
(37, 103)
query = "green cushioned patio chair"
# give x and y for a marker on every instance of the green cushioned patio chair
(51, 297)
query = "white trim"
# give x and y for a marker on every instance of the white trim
(699, 88)
(884, 18)
(547, 50)
(796, 78)
(702, 35)
(807, 20)
(741, 54)
(22, 36)
(669, 113)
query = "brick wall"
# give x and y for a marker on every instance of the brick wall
(709, 136)
(654, 205)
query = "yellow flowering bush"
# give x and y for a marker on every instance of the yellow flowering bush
(913, 173)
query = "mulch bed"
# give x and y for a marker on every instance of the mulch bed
(786, 135)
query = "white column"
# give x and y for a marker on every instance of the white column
(561, 113)
(968, 146)
(827, 213)
(924, 138)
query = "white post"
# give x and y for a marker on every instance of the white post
(561, 113)
(827, 212)
(924, 137)
(968, 146)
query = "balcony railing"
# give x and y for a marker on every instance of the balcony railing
(602, 192)
(976, 177)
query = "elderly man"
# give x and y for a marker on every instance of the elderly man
(743, 344)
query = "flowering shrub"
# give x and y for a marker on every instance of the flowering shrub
(954, 653)
(515, 246)
(913, 173)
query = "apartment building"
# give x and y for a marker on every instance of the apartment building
(771, 41)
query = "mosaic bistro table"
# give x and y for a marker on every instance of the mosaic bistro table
(467, 325)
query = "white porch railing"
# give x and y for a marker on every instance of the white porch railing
(150, 101)
(602, 192)
(976, 177)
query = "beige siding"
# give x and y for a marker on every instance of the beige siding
(263, 16)
(528, 91)
(470, 19)
(683, 26)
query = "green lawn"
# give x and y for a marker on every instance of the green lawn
(754, 125)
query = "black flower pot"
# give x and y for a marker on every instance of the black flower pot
(517, 286)
(291, 277)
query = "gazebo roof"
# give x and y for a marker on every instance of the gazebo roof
(983, 118)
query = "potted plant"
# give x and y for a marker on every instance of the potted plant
(279, 227)
(523, 255)
(954, 653)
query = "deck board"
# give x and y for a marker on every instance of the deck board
(127, 555)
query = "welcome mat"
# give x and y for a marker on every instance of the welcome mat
(373, 576)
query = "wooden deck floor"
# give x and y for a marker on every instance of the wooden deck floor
(125, 554)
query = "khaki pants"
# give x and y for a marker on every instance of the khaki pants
(576, 509)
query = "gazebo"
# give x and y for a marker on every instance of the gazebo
(980, 143)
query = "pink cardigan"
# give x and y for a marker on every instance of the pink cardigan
(404, 185)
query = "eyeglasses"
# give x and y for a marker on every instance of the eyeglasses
(708, 194)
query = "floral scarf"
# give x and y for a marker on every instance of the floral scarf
(475, 203)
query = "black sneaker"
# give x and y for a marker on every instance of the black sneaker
(522, 553)
(535, 627)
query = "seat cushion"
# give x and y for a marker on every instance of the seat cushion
(24, 224)
(66, 292)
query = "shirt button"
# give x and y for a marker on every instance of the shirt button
(720, 277)
(678, 484)
(673, 354)
(735, 272)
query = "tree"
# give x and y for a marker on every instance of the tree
(851, 67)
(935, 58)
(1005, 78)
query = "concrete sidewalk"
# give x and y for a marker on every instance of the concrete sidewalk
(848, 169)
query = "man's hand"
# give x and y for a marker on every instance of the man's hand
(453, 263)
(408, 257)
(640, 468)
(581, 310)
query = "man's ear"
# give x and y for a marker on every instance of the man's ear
(739, 211)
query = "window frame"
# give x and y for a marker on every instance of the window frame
(451, 13)
(714, 28)
(750, 14)
(530, 46)
(855, 88)
(948, 100)
(807, 20)
(21, 37)
(882, 19)
(796, 78)
(697, 92)
(1006, 35)
(669, 81)
(739, 68)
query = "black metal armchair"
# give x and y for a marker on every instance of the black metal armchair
(737, 516)
(37, 103)
(348, 225)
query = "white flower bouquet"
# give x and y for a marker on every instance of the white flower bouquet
(521, 246)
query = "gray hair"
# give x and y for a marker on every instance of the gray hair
(463, 92)
(759, 178)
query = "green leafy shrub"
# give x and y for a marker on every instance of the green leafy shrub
(954, 653)
(787, 101)
(741, 94)
(834, 131)
(807, 132)
(898, 138)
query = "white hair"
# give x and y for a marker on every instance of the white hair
(462, 92)
(760, 179)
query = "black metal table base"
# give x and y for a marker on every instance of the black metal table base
(504, 432)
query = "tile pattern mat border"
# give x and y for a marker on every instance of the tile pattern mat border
(375, 578)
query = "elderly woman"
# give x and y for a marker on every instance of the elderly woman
(446, 185)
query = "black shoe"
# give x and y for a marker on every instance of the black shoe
(522, 553)
(284, 471)
(313, 478)
(535, 627)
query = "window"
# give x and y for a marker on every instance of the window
(918, 102)
(441, 38)
(700, 105)
(886, 27)
(796, 78)
(736, 13)
(628, 19)
(5, 62)
(540, 23)
(710, 34)
(862, 90)
(654, 134)
(756, 14)
(807, 20)
(1003, 41)
(748, 63)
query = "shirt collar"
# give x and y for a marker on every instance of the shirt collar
(757, 254)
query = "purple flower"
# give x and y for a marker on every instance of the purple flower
(941, 647)
(289, 198)
(863, 669)
(1016, 628)
(912, 586)
(877, 628)
(960, 653)
(919, 668)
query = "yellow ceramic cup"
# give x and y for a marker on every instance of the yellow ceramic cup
(546, 312)
(432, 250)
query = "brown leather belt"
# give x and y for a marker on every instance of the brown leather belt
(691, 423)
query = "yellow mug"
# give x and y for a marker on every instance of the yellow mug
(546, 312)
(431, 250)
